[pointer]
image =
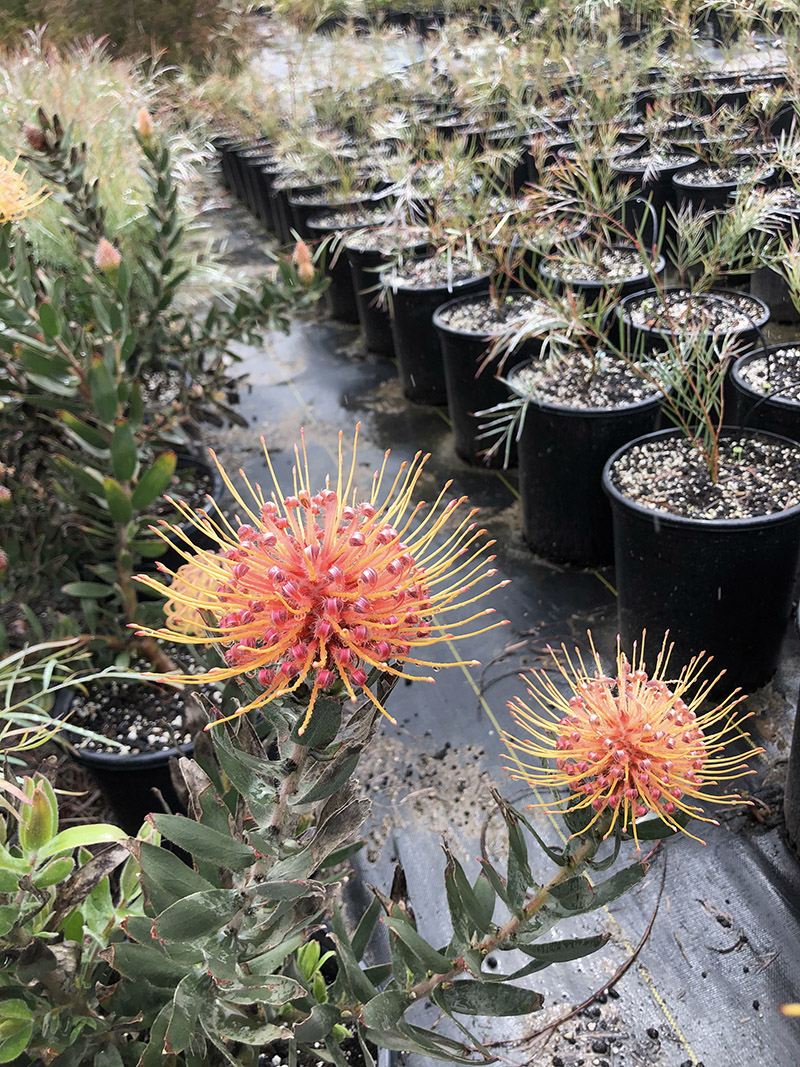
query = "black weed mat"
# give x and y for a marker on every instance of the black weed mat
(716, 926)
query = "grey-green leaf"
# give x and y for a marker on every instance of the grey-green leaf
(479, 998)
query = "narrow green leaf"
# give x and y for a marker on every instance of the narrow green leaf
(351, 973)
(366, 928)
(88, 434)
(79, 837)
(123, 451)
(104, 393)
(187, 1004)
(92, 590)
(119, 503)
(154, 481)
(88, 481)
(564, 951)
(430, 958)
(385, 1010)
(143, 963)
(333, 775)
(48, 320)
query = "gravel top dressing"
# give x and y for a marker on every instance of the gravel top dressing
(580, 382)
(711, 175)
(333, 196)
(483, 317)
(342, 220)
(436, 272)
(655, 161)
(387, 239)
(775, 375)
(615, 265)
(701, 311)
(756, 478)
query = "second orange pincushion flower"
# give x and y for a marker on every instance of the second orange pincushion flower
(316, 589)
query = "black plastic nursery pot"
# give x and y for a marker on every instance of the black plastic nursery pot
(373, 314)
(283, 190)
(416, 342)
(723, 586)
(654, 185)
(791, 796)
(517, 172)
(340, 295)
(304, 206)
(171, 558)
(566, 516)
(714, 196)
(759, 411)
(129, 782)
(467, 391)
(646, 337)
(592, 289)
(773, 289)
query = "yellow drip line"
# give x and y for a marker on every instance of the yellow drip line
(626, 943)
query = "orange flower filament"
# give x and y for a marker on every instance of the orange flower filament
(317, 589)
(190, 580)
(629, 744)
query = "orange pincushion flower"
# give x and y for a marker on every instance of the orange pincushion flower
(192, 579)
(316, 590)
(15, 200)
(629, 744)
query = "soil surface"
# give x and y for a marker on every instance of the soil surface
(436, 272)
(347, 220)
(583, 265)
(484, 317)
(719, 313)
(653, 161)
(777, 374)
(756, 478)
(279, 1058)
(387, 239)
(711, 176)
(577, 381)
(144, 718)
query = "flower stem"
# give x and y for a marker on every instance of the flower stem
(576, 862)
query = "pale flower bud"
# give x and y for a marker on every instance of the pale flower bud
(5, 495)
(144, 124)
(106, 257)
(304, 263)
(34, 136)
(3, 562)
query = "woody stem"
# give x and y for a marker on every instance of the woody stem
(575, 863)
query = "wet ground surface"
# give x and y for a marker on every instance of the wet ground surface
(723, 950)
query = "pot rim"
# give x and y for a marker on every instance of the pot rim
(769, 172)
(378, 251)
(589, 413)
(668, 518)
(469, 298)
(618, 164)
(595, 283)
(395, 286)
(765, 398)
(111, 760)
(669, 289)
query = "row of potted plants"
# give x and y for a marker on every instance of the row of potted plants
(568, 268)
